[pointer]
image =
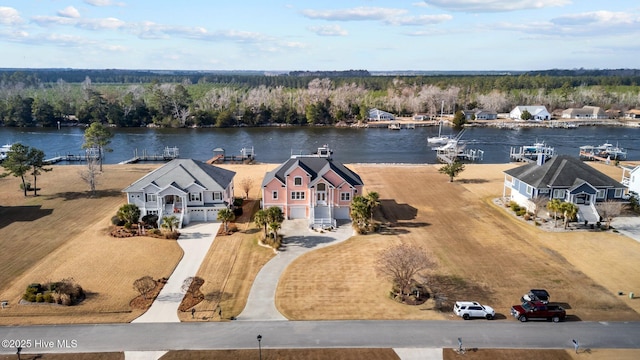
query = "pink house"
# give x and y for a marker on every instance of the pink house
(313, 187)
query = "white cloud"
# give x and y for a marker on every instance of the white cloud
(597, 18)
(354, 14)
(420, 20)
(328, 30)
(69, 12)
(9, 16)
(87, 24)
(102, 3)
(597, 23)
(474, 6)
(386, 15)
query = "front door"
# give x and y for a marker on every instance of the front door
(321, 194)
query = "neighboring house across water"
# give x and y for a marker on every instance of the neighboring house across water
(313, 187)
(538, 113)
(188, 189)
(379, 115)
(586, 112)
(479, 114)
(632, 114)
(565, 178)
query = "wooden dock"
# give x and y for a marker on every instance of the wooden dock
(168, 154)
(247, 154)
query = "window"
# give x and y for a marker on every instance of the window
(558, 194)
(274, 195)
(618, 193)
(543, 191)
(297, 195)
(217, 195)
(601, 194)
(345, 196)
(151, 197)
(322, 187)
(529, 190)
(152, 212)
(194, 197)
(297, 181)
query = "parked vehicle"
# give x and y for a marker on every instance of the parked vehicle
(471, 309)
(537, 310)
(536, 295)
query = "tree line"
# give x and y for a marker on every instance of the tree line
(225, 100)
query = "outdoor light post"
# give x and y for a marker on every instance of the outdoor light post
(259, 346)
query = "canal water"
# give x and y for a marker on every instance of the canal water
(350, 145)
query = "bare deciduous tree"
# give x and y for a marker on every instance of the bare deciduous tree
(246, 184)
(539, 202)
(144, 285)
(90, 173)
(187, 287)
(609, 210)
(401, 263)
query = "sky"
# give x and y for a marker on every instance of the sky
(285, 35)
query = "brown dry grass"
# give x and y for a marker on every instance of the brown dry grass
(482, 252)
(63, 233)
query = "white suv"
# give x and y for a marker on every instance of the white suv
(469, 309)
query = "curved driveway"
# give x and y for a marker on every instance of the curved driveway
(299, 239)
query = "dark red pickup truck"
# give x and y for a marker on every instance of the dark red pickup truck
(538, 310)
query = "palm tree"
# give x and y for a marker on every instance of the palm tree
(226, 215)
(373, 202)
(554, 206)
(274, 227)
(260, 218)
(569, 210)
(169, 222)
(360, 211)
(129, 213)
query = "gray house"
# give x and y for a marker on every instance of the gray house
(188, 189)
(565, 178)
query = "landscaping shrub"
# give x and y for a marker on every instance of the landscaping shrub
(65, 292)
(115, 220)
(238, 202)
(514, 206)
(237, 211)
(527, 216)
(150, 220)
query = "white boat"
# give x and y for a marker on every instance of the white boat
(606, 151)
(440, 139)
(394, 126)
(4, 151)
(532, 153)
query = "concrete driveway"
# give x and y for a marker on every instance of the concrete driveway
(298, 240)
(195, 241)
(628, 225)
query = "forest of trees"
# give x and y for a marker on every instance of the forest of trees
(128, 98)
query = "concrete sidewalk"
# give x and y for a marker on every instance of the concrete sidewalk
(298, 240)
(195, 241)
(628, 225)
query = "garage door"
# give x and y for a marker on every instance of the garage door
(341, 213)
(196, 215)
(212, 215)
(297, 213)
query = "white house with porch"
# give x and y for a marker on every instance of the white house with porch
(188, 189)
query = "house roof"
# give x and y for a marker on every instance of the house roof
(314, 166)
(533, 110)
(562, 171)
(183, 173)
(585, 110)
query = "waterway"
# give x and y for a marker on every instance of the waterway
(350, 145)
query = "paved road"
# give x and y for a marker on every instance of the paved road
(322, 334)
